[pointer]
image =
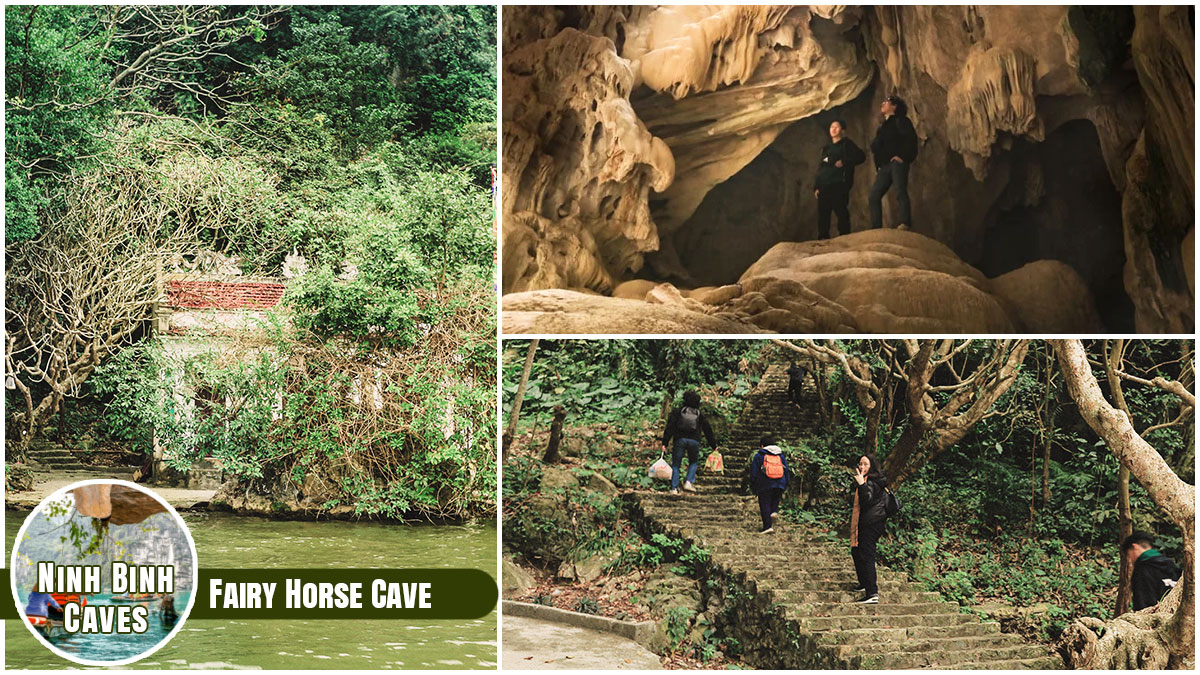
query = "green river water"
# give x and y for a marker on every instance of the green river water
(233, 541)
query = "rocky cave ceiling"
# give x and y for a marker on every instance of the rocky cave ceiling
(658, 160)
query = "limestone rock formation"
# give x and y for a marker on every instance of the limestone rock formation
(878, 281)
(579, 162)
(678, 144)
(560, 312)
(1048, 296)
(890, 282)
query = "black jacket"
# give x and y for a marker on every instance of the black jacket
(830, 174)
(872, 505)
(896, 137)
(672, 421)
(1150, 579)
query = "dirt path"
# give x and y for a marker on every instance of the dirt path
(46, 483)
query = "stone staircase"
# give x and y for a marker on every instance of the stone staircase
(787, 597)
(52, 456)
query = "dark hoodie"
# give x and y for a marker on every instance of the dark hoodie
(895, 138)
(830, 174)
(872, 507)
(1153, 575)
(759, 482)
(673, 432)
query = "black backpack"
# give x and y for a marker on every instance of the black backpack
(892, 505)
(689, 420)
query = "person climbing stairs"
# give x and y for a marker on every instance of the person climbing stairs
(788, 597)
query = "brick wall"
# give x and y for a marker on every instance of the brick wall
(223, 294)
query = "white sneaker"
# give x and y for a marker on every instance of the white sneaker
(674, 491)
(769, 530)
(688, 487)
(869, 600)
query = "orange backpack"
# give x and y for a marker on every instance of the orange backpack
(773, 465)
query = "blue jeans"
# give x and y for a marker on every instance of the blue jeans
(692, 446)
(893, 173)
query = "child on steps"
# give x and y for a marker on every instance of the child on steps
(769, 476)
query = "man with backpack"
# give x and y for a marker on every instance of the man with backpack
(769, 476)
(894, 150)
(795, 375)
(685, 426)
(1153, 573)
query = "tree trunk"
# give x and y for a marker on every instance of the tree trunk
(556, 426)
(1162, 636)
(1114, 355)
(919, 416)
(515, 414)
(818, 373)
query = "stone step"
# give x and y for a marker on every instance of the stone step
(841, 596)
(861, 636)
(948, 659)
(936, 645)
(1044, 663)
(887, 587)
(876, 620)
(884, 608)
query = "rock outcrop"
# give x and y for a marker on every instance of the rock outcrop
(878, 281)
(678, 144)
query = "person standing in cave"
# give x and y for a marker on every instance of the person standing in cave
(894, 150)
(835, 178)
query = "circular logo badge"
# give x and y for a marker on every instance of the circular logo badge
(104, 572)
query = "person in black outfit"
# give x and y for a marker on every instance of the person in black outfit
(866, 524)
(894, 150)
(1153, 573)
(685, 425)
(835, 178)
(795, 378)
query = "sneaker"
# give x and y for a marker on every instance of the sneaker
(902, 227)
(688, 487)
(674, 491)
(869, 600)
(769, 530)
(859, 589)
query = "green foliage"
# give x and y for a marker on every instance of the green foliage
(653, 553)
(621, 380)
(679, 621)
(57, 104)
(692, 563)
(267, 418)
(327, 75)
(586, 605)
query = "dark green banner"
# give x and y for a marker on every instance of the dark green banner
(339, 594)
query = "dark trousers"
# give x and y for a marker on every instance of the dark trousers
(864, 555)
(794, 390)
(833, 199)
(768, 503)
(893, 173)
